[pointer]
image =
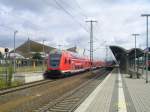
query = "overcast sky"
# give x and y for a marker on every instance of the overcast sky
(63, 22)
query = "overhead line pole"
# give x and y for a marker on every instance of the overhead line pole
(91, 40)
(147, 49)
(135, 36)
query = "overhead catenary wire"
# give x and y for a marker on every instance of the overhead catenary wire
(78, 5)
(68, 13)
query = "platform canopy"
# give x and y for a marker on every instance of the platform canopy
(124, 56)
(121, 57)
(118, 52)
(139, 52)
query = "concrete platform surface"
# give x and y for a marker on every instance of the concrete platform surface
(118, 93)
(100, 99)
(139, 91)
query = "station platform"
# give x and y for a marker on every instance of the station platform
(118, 93)
(142, 72)
(28, 77)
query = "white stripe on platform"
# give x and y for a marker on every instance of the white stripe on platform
(121, 99)
(91, 97)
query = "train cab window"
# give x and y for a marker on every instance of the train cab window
(55, 60)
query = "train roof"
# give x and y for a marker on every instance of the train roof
(72, 54)
(69, 53)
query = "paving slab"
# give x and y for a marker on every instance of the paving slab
(100, 99)
(139, 91)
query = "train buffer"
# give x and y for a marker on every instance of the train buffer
(118, 93)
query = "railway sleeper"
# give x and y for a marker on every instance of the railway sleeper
(64, 104)
(64, 107)
(59, 110)
(71, 100)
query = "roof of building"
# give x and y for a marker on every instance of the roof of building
(72, 49)
(2, 50)
(28, 47)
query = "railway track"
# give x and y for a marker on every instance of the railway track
(70, 101)
(30, 98)
(24, 86)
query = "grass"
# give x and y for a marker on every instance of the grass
(4, 84)
(2, 70)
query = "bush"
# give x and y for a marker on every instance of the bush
(37, 56)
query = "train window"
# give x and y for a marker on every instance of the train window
(76, 67)
(65, 61)
(69, 61)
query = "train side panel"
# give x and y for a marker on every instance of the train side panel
(63, 63)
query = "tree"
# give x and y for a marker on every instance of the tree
(37, 55)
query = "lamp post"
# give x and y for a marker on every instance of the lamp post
(135, 36)
(44, 55)
(15, 32)
(146, 15)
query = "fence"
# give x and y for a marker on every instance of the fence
(23, 65)
(20, 66)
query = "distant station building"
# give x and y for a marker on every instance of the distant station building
(28, 48)
(78, 50)
(72, 49)
(2, 50)
(18, 56)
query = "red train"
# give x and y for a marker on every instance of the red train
(63, 63)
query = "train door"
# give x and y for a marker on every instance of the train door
(72, 65)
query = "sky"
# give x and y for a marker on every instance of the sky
(63, 22)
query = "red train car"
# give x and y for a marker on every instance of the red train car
(62, 63)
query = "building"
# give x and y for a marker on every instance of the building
(28, 48)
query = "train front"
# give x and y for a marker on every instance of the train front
(53, 64)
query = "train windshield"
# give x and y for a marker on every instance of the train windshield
(55, 60)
